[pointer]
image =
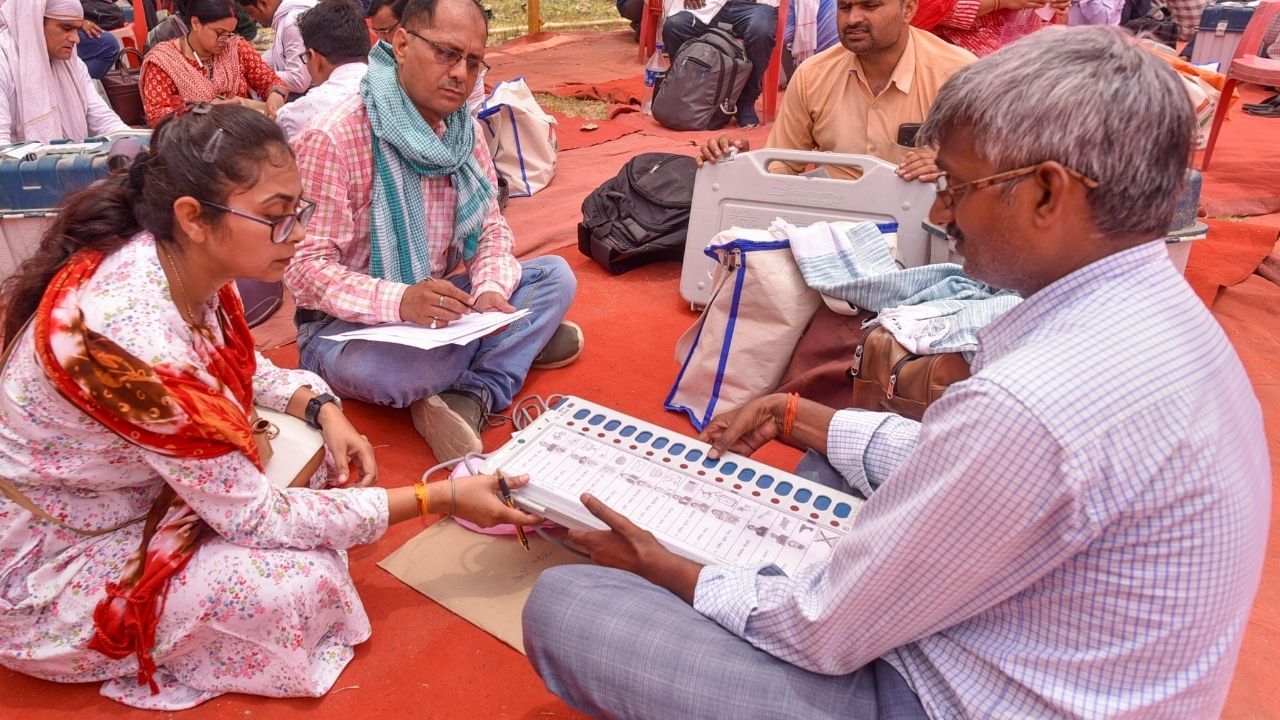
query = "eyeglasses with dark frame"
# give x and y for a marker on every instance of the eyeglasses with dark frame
(280, 226)
(950, 195)
(219, 34)
(449, 57)
(384, 33)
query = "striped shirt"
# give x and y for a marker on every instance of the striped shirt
(1078, 530)
(1186, 13)
(330, 271)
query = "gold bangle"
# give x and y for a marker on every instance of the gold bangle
(424, 502)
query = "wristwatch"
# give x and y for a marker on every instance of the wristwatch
(313, 408)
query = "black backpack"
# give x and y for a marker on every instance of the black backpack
(1134, 10)
(1158, 23)
(640, 215)
(103, 13)
(701, 90)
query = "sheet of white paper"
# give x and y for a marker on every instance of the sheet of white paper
(459, 332)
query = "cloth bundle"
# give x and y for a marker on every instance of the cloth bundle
(930, 309)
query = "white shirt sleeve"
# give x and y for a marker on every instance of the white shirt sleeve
(867, 447)
(1096, 12)
(102, 119)
(292, 119)
(8, 99)
(704, 14)
(287, 56)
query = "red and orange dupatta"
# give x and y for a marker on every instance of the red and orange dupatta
(189, 412)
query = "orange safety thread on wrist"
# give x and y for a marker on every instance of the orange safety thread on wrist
(424, 503)
(789, 417)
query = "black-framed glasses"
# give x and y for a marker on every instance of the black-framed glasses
(449, 57)
(280, 226)
(384, 33)
(219, 35)
(950, 195)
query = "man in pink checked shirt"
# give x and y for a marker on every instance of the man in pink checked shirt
(405, 195)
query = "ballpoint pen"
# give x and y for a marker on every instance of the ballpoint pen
(511, 503)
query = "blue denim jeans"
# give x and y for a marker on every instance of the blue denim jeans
(99, 53)
(493, 368)
(755, 24)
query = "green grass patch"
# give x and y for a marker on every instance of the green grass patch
(574, 107)
(515, 14)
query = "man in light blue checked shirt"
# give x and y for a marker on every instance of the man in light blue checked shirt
(1076, 531)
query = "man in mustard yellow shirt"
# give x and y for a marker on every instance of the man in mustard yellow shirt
(865, 96)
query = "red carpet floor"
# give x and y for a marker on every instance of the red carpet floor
(427, 663)
(1245, 176)
(424, 662)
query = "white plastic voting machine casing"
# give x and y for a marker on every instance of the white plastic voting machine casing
(742, 192)
(730, 510)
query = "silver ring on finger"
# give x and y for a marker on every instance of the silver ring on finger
(435, 323)
(441, 303)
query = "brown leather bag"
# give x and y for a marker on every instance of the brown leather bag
(264, 431)
(820, 363)
(888, 378)
(121, 84)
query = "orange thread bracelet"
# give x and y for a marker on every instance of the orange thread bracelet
(789, 417)
(424, 504)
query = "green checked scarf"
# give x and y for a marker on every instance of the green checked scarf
(405, 148)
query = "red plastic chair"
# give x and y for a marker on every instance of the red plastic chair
(139, 24)
(1246, 66)
(128, 39)
(651, 21)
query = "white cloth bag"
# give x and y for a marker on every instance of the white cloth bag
(522, 138)
(740, 347)
(1204, 98)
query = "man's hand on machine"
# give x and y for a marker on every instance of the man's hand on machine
(920, 164)
(720, 146)
(628, 547)
(746, 429)
(433, 303)
(797, 422)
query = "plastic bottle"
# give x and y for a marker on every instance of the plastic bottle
(654, 71)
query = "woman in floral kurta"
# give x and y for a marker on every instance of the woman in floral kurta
(264, 603)
(267, 607)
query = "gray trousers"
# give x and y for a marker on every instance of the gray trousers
(611, 644)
